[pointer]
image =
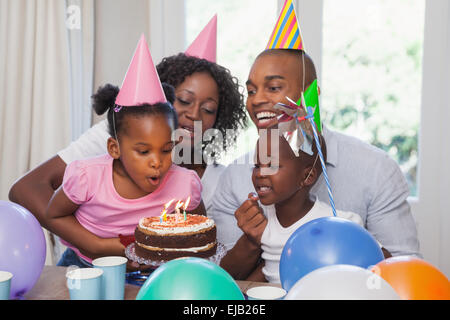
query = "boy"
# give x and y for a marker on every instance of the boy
(284, 193)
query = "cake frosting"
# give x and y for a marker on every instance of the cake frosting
(175, 237)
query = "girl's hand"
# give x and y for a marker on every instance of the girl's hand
(251, 220)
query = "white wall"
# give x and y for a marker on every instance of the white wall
(118, 26)
(432, 208)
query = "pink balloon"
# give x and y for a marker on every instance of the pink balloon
(22, 247)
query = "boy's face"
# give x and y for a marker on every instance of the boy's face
(271, 79)
(284, 180)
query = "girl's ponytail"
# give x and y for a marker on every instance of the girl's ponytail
(104, 98)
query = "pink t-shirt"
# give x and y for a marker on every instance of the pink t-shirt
(102, 211)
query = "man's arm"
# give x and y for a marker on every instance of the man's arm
(389, 217)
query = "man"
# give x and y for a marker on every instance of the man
(364, 179)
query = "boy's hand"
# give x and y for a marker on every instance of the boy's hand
(251, 220)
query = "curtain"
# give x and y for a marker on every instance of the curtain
(80, 22)
(34, 95)
(46, 67)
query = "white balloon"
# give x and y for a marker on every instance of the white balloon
(341, 282)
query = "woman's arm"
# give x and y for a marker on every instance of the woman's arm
(34, 190)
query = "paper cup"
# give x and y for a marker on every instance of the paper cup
(113, 279)
(265, 293)
(5, 284)
(84, 283)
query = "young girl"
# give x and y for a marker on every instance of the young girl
(108, 194)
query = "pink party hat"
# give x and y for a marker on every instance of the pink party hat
(205, 45)
(141, 83)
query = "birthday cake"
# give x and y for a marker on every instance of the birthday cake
(175, 237)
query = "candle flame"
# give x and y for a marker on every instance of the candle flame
(164, 211)
(186, 204)
(167, 205)
(179, 204)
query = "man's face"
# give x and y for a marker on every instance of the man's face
(271, 79)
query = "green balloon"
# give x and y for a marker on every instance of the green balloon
(190, 279)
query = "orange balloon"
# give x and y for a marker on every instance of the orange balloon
(413, 278)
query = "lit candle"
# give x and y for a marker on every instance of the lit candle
(178, 206)
(177, 211)
(164, 211)
(186, 204)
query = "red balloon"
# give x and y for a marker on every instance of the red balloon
(413, 278)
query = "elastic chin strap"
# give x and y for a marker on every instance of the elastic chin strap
(312, 168)
(116, 109)
(304, 71)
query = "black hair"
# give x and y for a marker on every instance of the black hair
(231, 112)
(104, 100)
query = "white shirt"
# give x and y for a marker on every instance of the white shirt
(363, 179)
(93, 143)
(275, 235)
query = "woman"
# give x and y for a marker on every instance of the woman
(204, 92)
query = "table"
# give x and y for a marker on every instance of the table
(52, 286)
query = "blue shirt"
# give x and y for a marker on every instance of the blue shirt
(363, 178)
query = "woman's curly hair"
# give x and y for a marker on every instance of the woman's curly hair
(231, 110)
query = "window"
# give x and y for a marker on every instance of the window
(372, 74)
(243, 29)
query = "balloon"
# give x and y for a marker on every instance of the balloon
(341, 282)
(326, 241)
(190, 279)
(414, 278)
(22, 247)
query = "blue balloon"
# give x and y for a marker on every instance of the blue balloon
(323, 242)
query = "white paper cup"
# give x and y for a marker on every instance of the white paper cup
(84, 283)
(113, 279)
(5, 284)
(266, 293)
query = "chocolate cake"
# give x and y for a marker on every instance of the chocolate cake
(175, 237)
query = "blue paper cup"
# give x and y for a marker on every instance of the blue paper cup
(5, 284)
(84, 283)
(113, 279)
(265, 293)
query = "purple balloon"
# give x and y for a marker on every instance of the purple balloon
(22, 247)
